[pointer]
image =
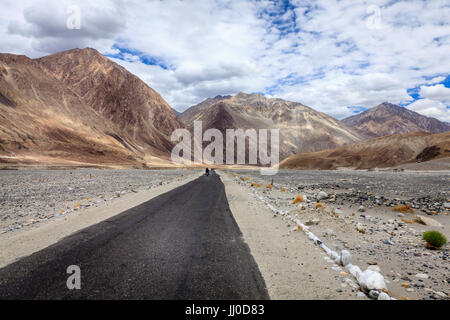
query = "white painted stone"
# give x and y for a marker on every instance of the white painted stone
(374, 268)
(354, 270)
(346, 258)
(371, 280)
(383, 296)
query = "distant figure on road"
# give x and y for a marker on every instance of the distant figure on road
(207, 172)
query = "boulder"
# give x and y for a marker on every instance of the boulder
(427, 221)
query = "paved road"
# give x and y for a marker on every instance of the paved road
(184, 244)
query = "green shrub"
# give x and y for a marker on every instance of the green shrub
(434, 238)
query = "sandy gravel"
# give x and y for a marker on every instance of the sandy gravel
(25, 241)
(292, 266)
(388, 242)
(30, 196)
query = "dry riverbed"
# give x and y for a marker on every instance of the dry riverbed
(357, 215)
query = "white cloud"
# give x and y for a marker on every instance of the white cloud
(431, 108)
(437, 92)
(320, 53)
(435, 80)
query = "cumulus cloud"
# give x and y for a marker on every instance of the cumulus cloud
(54, 25)
(431, 108)
(437, 92)
(335, 56)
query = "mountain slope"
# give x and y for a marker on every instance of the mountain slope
(302, 129)
(42, 121)
(379, 152)
(140, 112)
(188, 116)
(78, 106)
(388, 118)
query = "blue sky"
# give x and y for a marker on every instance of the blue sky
(339, 57)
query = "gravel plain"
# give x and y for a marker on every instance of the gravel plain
(29, 196)
(357, 215)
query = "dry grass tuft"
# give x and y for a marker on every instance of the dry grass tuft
(407, 221)
(256, 185)
(403, 208)
(268, 186)
(283, 190)
(246, 179)
(319, 205)
(298, 199)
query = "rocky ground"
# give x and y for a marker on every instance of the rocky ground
(31, 196)
(356, 214)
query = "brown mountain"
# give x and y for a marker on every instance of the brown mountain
(302, 129)
(387, 151)
(189, 115)
(79, 108)
(142, 115)
(389, 118)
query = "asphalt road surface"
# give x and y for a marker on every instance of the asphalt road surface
(184, 244)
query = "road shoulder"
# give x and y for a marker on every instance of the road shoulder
(291, 265)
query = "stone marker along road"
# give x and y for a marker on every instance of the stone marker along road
(184, 244)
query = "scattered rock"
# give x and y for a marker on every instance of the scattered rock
(427, 221)
(422, 276)
(360, 228)
(328, 233)
(361, 295)
(312, 222)
(374, 294)
(322, 195)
